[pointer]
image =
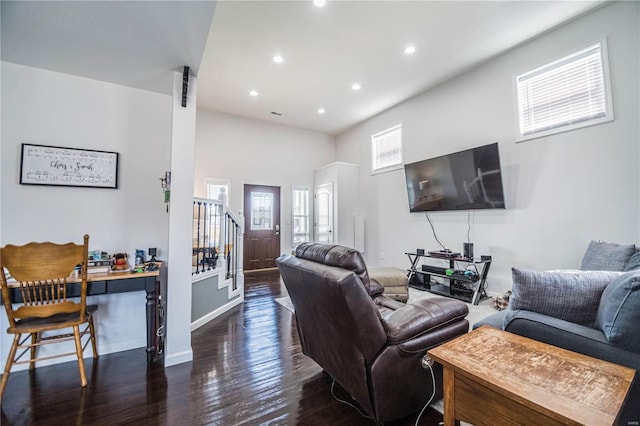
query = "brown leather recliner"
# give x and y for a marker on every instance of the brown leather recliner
(370, 344)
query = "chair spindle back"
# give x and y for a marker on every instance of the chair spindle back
(41, 271)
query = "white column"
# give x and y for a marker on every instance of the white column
(183, 137)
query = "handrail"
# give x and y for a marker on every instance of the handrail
(217, 232)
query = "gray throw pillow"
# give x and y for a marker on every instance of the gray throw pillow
(619, 313)
(633, 263)
(569, 295)
(601, 256)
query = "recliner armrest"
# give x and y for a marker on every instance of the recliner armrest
(422, 316)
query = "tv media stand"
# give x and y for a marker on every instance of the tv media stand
(465, 287)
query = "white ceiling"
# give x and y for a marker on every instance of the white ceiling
(325, 50)
(133, 43)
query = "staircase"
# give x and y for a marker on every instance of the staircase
(216, 260)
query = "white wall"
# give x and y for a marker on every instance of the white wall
(561, 191)
(247, 151)
(49, 108)
(180, 224)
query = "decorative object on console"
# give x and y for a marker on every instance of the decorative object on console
(139, 257)
(120, 262)
(99, 262)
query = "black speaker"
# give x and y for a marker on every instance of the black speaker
(185, 85)
(420, 252)
(468, 250)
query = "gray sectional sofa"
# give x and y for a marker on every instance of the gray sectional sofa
(594, 311)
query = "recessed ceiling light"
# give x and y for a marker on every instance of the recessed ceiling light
(356, 86)
(410, 50)
(253, 93)
(278, 59)
(319, 3)
(321, 111)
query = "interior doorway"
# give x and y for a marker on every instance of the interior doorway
(261, 226)
(323, 213)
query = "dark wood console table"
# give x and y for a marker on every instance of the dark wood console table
(108, 283)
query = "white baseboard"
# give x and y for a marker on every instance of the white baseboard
(179, 358)
(215, 313)
(103, 349)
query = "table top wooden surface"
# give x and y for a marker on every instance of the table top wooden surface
(550, 380)
(102, 276)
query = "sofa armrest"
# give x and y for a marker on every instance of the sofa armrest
(568, 335)
(422, 316)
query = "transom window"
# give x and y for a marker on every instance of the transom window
(566, 94)
(386, 150)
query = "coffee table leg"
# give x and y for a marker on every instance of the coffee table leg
(449, 391)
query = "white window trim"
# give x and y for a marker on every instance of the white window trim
(608, 98)
(395, 166)
(309, 212)
(218, 181)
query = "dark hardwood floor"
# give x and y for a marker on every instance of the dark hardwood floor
(248, 369)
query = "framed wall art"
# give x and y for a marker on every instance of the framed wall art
(59, 166)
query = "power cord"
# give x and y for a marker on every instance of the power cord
(434, 231)
(427, 363)
(348, 403)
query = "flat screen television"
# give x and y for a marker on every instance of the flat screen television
(464, 180)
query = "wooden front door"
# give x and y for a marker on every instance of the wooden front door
(261, 226)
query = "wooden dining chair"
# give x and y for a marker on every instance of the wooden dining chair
(39, 276)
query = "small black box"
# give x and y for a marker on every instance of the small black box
(485, 258)
(468, 250)
(420, 252)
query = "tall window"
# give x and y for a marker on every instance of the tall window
(386, 150)
(217, 187)
(566, 94)
(301, 215)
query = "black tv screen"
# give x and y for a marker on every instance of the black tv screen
(464, 180)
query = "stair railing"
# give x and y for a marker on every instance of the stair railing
(216, 239)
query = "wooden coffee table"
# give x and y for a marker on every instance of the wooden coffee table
(492, 377)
